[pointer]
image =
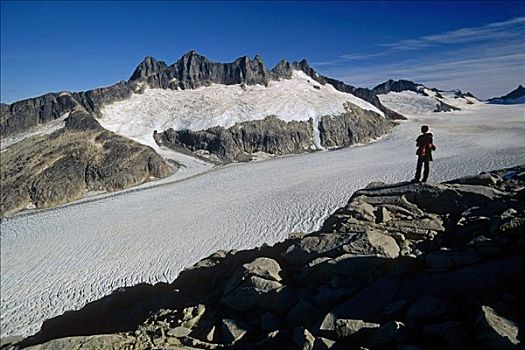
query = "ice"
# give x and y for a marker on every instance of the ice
(60, 259)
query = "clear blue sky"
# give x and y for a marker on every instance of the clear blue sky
(74, 46)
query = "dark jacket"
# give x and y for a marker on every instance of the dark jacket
(425, 146)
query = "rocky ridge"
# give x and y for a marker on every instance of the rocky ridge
(243, 140)
(273, 136)
(407, 85)
(189, 72)
(401, 266)
(514, 97)
(49, 170)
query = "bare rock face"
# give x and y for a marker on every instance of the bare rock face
(193, 70)
(25, 114)
(238, 143)
(396, 86)
(50, 170)
(277, 137)
(355, 126)
(445, 107)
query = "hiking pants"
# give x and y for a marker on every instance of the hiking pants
(420, 162)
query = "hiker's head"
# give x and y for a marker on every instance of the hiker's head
(424, 129)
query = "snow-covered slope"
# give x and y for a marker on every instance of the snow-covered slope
(298, 98)
(419, 99)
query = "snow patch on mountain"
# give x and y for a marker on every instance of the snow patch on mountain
(39, 130)
(411, 103)
(299, 98)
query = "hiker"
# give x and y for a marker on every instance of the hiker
(425, 147)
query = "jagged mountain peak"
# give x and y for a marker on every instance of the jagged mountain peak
(191, 53)
(413, 98)
(397, 86)
(516, 96)
(283, 69)
(149, 66)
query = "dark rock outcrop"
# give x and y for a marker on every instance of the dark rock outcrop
(515, 96)
(277, 137)
(397, 267)
(49, 170)
(25, 114)
(353, 127)
(193, 70)
(445, 107)
(239, 142)
(396, 86)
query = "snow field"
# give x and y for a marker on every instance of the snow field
(410, 103)
(225, 105)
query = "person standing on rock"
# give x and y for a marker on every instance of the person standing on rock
(425, 146)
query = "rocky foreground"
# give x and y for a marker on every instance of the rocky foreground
(401, 266)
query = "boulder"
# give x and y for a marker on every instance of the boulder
(342, 268)
(303, 314)
(372, 242)
(446, 258)
(347, 327)
(385, 334)
(303, 338)
(428, 308)
(322, 343)
(269, 322)
(192, 315)
(251, 292)
(495, 331)
(483, 179)
(263, 267)
(233, 330)
(382, 215)
(312, 246)
(179, 332)
(369, 302)
(450, 333)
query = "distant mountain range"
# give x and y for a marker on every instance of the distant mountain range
(516, 96)
(189, 72)
(410, 98)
